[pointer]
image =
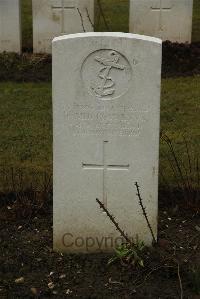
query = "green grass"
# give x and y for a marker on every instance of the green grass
(180, 110)
(26, 114)
(180, 107)
(26, 121)
(26, 127)
(116, 13)
(117, 17)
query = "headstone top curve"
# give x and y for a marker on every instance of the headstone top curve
(108, 34)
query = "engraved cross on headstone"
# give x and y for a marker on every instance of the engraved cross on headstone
(162, 6)
(105, 167)
(63, 5)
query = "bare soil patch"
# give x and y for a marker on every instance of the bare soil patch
(30, 269)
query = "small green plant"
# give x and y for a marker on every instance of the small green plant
(194, 277)
(129, 254)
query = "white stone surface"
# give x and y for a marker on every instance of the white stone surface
(10, 26)
(106, 106)
(166, 19)
(53, 18)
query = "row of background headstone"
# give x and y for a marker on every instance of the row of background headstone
(167, 19)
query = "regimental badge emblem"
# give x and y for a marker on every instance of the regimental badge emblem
(106, 74)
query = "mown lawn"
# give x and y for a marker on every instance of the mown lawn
(26, 130)
(26, 122)
(116, 14)
(26, 114)
(180, 110)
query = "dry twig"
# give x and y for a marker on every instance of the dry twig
(81, 17)
(88, 16)
(144, 212)
(103, 16)
(180, 282)
(111, 217)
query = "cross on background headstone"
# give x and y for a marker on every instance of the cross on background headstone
(63, 6)
(162, 7)
(105, 166)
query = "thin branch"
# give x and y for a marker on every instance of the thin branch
(162, 137)
(81, 17)
(47, 182)
(144, 212)
(170, 145)
(188, 182)
(89, 18)
(175, 168)
(111, 217)
(184, 177)
(13, 179)
(198, 173)
(103, 16)
(98, 21)
(188, 154)
(180, 282)
(149, 274)
(165, 181)
(189, 179)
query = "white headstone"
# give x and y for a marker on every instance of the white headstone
(10, 26)
(53, 18)
(166, 19)
(106, 107)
